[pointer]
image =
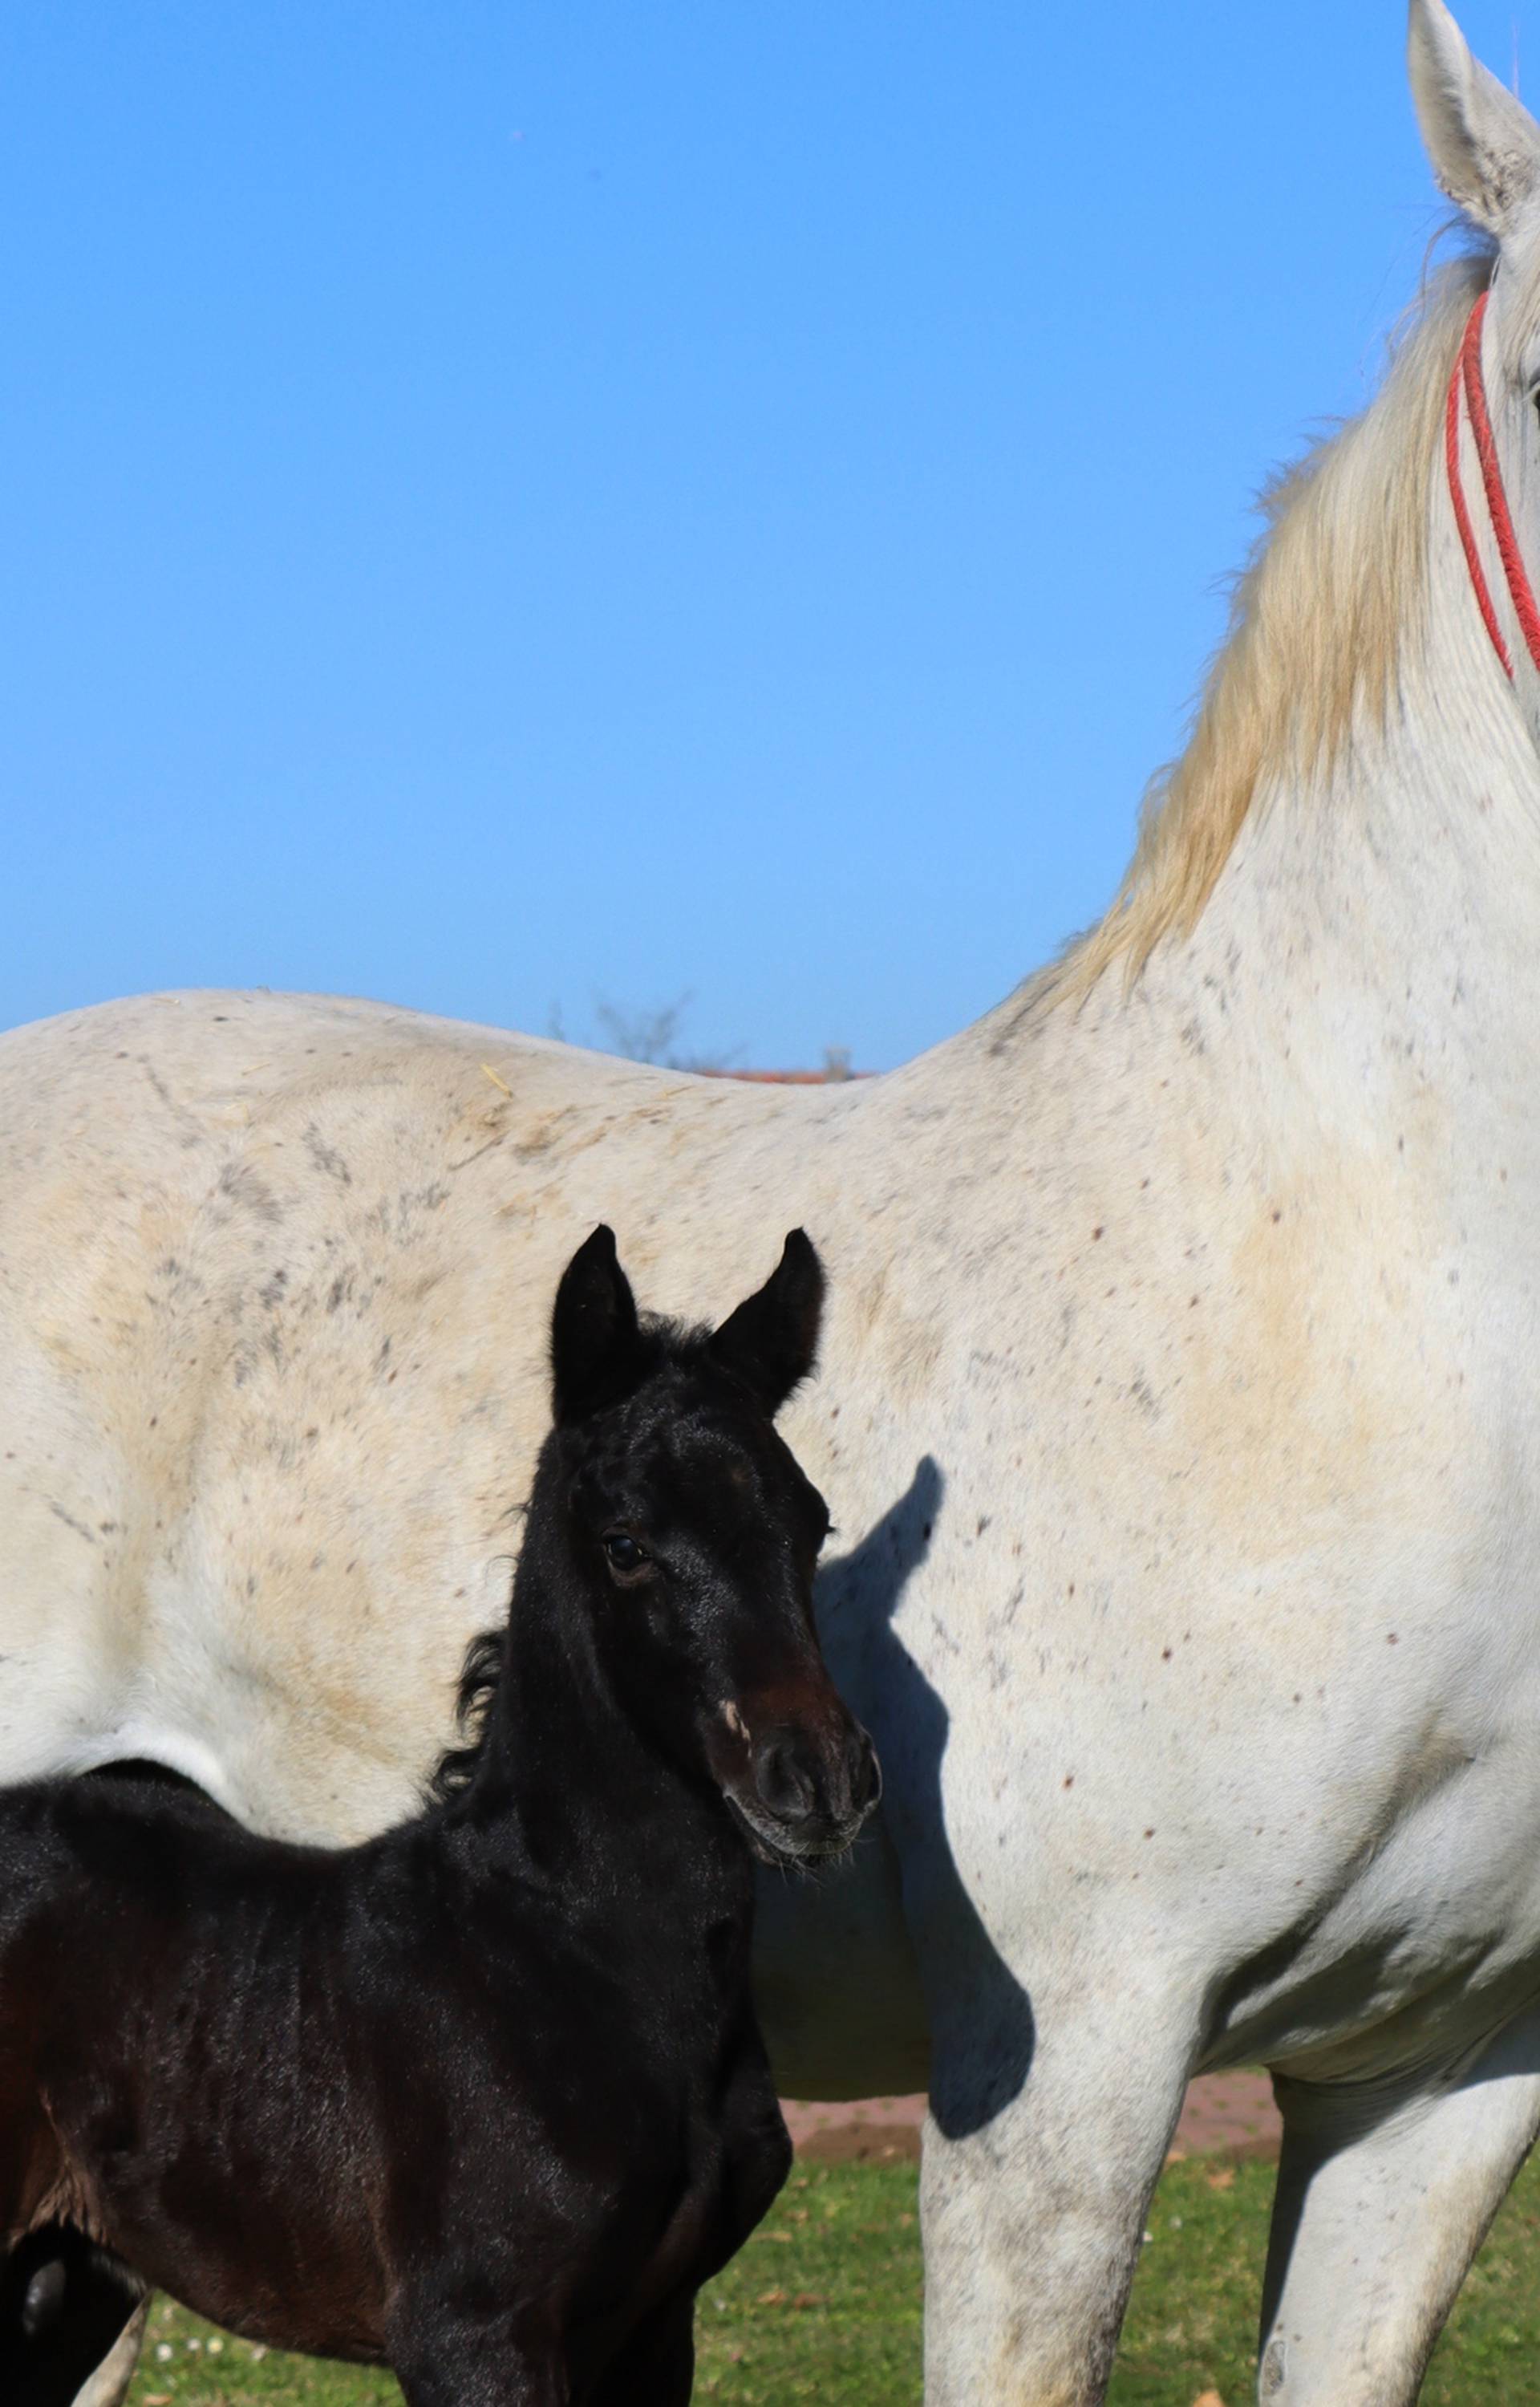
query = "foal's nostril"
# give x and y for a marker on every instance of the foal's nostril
(785, 1786)
(827, 1780)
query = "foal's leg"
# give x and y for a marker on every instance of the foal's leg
(657, 2366)
(1384, 2195)
(1033, 2208)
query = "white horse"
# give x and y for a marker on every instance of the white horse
(1180, 1413)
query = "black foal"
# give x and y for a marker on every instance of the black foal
(483, 2098)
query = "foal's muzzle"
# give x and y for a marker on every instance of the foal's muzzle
(805, 1793)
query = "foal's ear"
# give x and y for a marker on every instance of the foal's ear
(770, 1341)
(594, 1352)
(1483, 144)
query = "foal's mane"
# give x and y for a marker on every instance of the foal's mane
(481, 1676)
(664, 1345)
(1322, 623)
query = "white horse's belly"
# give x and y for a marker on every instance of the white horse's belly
(1432, 1942)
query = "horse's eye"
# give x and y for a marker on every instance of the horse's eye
(622, 1551)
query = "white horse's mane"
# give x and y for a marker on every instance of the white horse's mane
(1324, 621)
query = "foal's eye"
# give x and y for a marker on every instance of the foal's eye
(622, 1551)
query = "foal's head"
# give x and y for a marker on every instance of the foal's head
(691, 1536)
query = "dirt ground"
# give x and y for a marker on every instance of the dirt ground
(1229, 2114)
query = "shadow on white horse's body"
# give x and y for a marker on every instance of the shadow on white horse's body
(1179, 1417)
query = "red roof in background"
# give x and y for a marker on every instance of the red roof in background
(835, 1072)
(791, 1077)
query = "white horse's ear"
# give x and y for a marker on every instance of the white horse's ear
(1483, 142)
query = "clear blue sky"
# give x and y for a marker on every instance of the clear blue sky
(507, 504)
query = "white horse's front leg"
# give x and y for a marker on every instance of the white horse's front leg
(109, 2385)
(1384, 2195)
(1034, 2206)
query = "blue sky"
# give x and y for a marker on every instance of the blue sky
(508, 507)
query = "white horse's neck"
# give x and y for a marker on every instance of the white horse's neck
(1396, 906)
(1376, 931)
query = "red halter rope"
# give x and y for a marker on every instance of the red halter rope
(1467, 377)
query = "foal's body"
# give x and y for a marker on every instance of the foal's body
(147, 1946)
(483, 2097)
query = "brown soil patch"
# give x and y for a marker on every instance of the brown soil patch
(1226, 2113)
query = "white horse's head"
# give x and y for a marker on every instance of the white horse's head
(1484, 150)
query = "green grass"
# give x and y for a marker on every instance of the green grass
(825, 2303)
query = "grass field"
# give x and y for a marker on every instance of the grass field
(825, 2303)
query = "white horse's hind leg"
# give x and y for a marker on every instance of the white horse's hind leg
(1384, 2195)
(1033, 2220)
